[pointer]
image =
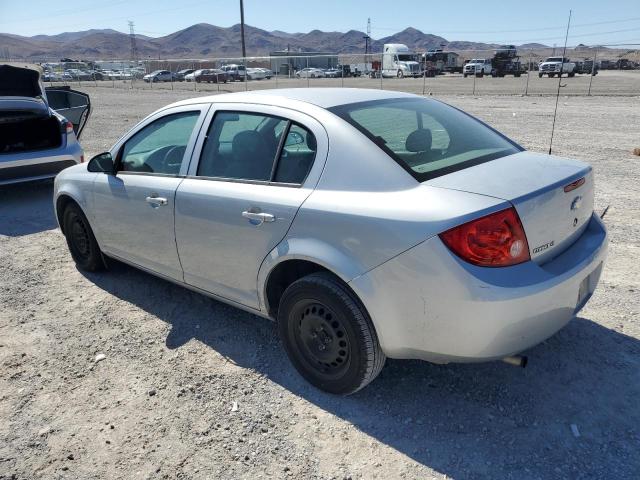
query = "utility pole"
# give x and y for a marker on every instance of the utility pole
(244, 51)
(367, 38)
(134, 47)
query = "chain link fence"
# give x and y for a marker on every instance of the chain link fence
(588, 71)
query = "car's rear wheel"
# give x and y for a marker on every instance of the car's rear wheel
(80, 239)
(328, 334)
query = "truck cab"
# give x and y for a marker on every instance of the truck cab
(399, 61)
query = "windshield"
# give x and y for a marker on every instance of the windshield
(406, 58)
(554, 59)
(477, 60)
(427, 138)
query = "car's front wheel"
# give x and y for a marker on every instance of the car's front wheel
(328, 334)
(80, 239)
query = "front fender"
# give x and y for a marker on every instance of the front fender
(74, 182)
(312, 250)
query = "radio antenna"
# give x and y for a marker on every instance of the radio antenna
(555, 111)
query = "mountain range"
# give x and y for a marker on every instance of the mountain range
(205, 40)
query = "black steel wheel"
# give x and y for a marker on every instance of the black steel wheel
(80, 239)
(328, 334)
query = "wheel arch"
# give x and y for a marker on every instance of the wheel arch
(62, 201)
(296, 258)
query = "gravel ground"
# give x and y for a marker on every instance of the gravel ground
(162, 402)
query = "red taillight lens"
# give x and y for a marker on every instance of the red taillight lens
(496, 240)
(69, 127)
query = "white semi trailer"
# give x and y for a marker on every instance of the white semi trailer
(399, 61)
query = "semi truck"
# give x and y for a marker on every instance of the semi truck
(399, 61)
(437, 61)
(506, 61)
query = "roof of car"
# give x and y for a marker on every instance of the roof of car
(322, 97)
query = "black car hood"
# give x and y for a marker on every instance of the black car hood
(19, 82)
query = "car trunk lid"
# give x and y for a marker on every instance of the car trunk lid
(553, 196)
(21, 95)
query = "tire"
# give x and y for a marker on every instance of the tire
(572, 74)
(464, 75)
(540, 75)
(328, 335)
(400, 74)
(80, 240)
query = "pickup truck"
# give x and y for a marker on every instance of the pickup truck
(553, 65)
(478, 67)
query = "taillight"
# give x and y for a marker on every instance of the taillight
(69, 127)
(495, 240)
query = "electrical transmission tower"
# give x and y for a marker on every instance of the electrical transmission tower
(367, 37)
(134, 47)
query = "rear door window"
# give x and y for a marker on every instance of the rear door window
(256, 147)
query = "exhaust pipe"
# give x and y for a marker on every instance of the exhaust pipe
(516, 360)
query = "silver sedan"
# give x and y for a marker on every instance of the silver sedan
(368, 224)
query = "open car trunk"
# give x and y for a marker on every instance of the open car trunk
(26, 123)
(28, 132)
(553, 196)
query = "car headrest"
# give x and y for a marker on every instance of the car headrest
(419, 140)
(311, 142)
(248, 144)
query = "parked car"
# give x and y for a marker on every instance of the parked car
(310, 73)
(421, 233)
(180, 74)
(51, 77)
(267, 73)
(190, 77)
(256, 74)
(212, 75)
(332, 73)
(39, 127)
(235, 72)
(158, 76)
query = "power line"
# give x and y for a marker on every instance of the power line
(559, 27)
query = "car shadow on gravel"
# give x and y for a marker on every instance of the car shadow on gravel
(26, 208)
(572, 413)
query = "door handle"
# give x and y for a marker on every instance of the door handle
(156, 201)
(259, 217)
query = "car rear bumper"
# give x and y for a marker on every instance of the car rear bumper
(38, 165)
(427, 303)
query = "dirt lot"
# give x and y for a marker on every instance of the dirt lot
(160, 404)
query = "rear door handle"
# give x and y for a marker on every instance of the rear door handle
(259, 217)
(156, 201)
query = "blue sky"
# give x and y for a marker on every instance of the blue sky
(594, 22)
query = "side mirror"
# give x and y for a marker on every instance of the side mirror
(102, 163)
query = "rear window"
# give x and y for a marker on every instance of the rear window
(427, 138)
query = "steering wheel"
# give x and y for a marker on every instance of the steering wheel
(173, 158)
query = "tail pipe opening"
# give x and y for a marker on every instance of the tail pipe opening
(516, 360)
